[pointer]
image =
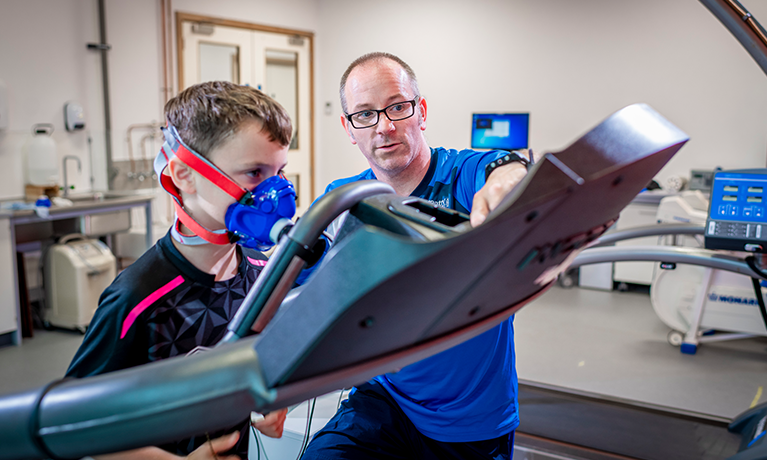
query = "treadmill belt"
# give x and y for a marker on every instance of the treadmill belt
(620, 427)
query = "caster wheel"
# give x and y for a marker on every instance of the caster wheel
(566, 281)
(81, 330)
(675, 338)
(623, 287)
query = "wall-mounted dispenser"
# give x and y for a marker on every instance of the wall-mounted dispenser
(3, 106)
(74, 118)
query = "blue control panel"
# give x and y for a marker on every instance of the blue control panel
(737, 214)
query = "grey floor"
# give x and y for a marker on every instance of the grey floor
(613, 344)
(38, 360)
(606, 343)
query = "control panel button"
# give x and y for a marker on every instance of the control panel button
(712, 228)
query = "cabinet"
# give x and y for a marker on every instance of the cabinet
(8, 313)
(637, 214)
(23, 230)
(642, 211)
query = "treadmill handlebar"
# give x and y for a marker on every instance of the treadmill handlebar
(650, 230)
(298, 243)
(672, 254)
(325, 210)
(142, 406)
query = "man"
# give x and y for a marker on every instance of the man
(462, 402)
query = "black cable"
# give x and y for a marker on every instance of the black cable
(259, 443)
(255, 436)
(751, 261)
(310, 415)
(34, 420)
(760, 300)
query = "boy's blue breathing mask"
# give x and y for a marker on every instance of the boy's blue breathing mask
(256, 219)
(259, 217)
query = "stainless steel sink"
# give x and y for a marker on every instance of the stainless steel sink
(104, 221)
(98, 196)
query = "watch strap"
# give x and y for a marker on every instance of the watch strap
(515, 156)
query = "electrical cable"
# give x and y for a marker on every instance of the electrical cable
(760, 299)
(309, 416)
(259, 443)
(340, 397)
(751, 261)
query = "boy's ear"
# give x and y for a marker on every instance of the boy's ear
(182, 176)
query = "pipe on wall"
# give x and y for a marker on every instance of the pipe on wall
(167, 52)
(102, 47)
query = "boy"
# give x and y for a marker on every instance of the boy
(184, 290)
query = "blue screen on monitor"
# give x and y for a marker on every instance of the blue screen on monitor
(504, 131)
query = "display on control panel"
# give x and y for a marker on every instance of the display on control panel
(736, 216)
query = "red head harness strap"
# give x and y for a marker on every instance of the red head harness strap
(175, 147)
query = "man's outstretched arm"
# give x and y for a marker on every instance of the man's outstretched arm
(500, 182)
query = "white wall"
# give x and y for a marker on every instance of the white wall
(136, 57)
(45, 63)
(569, 63)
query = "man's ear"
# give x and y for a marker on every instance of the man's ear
(422, 108)
(348, 128)
(182, 176)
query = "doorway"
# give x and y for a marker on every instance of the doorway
(277, 61)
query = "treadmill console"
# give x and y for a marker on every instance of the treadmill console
(737, 213)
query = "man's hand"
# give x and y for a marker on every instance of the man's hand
(498, 185)
(273, 423)
(211, 449)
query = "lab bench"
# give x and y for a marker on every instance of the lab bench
(93, 214)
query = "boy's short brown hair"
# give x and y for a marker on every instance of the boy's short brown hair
(207, 114)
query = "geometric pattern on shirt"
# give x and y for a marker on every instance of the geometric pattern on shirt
(196, 315)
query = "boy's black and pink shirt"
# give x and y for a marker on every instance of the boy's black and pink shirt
(160, 307)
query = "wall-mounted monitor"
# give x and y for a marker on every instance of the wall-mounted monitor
(503, 131)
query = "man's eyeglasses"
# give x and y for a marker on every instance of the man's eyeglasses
(395, 112)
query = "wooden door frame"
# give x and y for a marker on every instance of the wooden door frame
(181, 17)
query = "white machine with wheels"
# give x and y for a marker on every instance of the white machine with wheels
(77, 270)
(693, 300)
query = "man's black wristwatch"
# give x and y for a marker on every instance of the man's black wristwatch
(511, 157)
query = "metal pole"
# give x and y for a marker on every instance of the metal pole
(103, 48)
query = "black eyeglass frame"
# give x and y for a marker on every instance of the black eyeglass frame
(378, 113)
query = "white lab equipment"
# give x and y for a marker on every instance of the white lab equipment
(77, 270)
(692, 300)
(42, 161)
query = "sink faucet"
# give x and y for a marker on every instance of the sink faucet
(64, 167)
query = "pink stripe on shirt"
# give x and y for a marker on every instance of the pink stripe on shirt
(149, 300)
(257, 262)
